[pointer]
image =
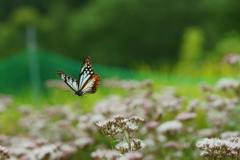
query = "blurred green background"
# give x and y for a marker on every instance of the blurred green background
(162, 37)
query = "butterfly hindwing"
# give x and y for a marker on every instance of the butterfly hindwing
(92, 84)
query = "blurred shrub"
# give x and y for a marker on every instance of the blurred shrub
(192, 46)
(12, 32)
(230, 43)
(126, 33)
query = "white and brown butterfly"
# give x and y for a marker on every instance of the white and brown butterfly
(87, 82)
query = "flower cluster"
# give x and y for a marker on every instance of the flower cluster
(170, 103)
(4, 153)
(227, 84)
(170, 128)
(169, 119)
(172, 123)
(217, 148)
(51, 134)
(186, 116)
(39, 149)
(232, 58)
(125, 126)
(5, 101)
(131, 156)
(101, 154)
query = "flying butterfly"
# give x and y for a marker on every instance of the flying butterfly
(87, 82)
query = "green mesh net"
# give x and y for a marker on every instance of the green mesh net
(17, 75)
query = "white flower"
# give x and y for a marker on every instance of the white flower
(185, 116)
(137, 144)
(4, 152)
(50, 151)
(192, 105)
(131, 156)
(98, 154)
(231, 58)
(101, 124)
(170, 127)
(119, 117)
(208, 132)
(105, 154)
(218, 119)
(83, 141)
(122, 147)
(130, 126)
(213, 147)
(229, 134)
(115, 129)
(136, 119)
(171, 103)
(226, 83)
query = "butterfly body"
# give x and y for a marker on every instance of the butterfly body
(87, 82)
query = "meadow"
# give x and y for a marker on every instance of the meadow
(166, 92)
(169, 118)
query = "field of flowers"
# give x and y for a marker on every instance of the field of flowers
(144, 122)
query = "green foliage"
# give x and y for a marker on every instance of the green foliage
(229, 44)
(118, 30)
(24, 16)
(164, 35)
(124, 33)
(192, 46)
(9, 121)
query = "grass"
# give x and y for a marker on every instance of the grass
(8, 121)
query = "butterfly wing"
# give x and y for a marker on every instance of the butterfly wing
(86, 72)
(71, 82)
(91, 84)
(88, 80)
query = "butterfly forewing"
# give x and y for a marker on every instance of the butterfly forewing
(71, 82)
(86, 72)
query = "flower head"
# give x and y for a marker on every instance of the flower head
(101, 154)
(185, 116)
(131, 156)
(4, 152)
(170, 127)
(232, 58)
(122, 147)
(138, 144)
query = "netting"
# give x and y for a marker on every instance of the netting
(15, 72)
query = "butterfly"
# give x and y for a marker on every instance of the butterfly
(87, 82)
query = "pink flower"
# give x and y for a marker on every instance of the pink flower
(185, 116)
(232, 58)
(4, 152)
(102, 154)
(171, 144)
(152, 125)
(170, 127)
(131, 156)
